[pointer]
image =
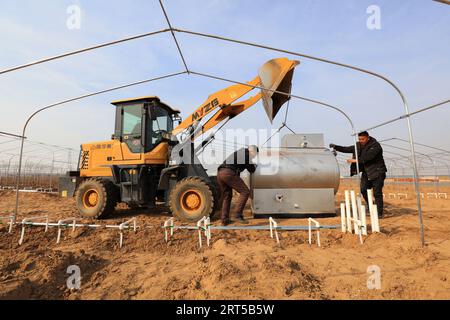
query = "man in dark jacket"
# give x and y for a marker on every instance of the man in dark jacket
(228, 178)
(371, 164)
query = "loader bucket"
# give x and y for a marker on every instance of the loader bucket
(276, 75)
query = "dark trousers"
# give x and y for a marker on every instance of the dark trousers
(377, 185)
(228, 180)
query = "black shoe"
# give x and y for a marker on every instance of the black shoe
(242, 220)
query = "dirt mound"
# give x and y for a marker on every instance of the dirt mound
(43, 274)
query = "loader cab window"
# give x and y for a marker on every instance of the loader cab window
(132, 116)
(161, 123)
(132, 127)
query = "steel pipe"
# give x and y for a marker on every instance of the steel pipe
(71, 53)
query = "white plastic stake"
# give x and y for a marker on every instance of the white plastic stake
(122, 226)
(343, 218)
(362, 214)
(22, 234)
(363, 220)
(166, 233)
(370, 199)
(371, 208)
(207, 226)
(199, 227)
(11, 223)
(317, 224)
(354, 210)
(24, 223)
(168, 224)
(359, 227)
(309, 231)
(348, 211)
(273, 229)
(376, 225)
(60, 223)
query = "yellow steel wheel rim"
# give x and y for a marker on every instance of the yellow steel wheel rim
(191, 200)
(90, 198)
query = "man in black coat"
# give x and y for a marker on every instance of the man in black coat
(371, 164)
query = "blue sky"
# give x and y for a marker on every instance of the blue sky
(412, 48)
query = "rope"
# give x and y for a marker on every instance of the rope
(270, 138)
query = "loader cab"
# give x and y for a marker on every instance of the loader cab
(143, 123)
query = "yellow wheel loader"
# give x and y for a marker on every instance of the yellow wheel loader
(148, 159)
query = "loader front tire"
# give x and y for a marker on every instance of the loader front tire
(96, 198)
(191, 199)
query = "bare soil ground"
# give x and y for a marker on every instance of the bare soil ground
(238, 265)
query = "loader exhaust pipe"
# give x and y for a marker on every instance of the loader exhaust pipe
(276, 75)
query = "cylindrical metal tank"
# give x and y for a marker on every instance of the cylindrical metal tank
(296, 168)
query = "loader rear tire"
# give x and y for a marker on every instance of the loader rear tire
(96, 198)
(192, 199)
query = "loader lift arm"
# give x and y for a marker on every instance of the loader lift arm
(275, 75)
(223, 100)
